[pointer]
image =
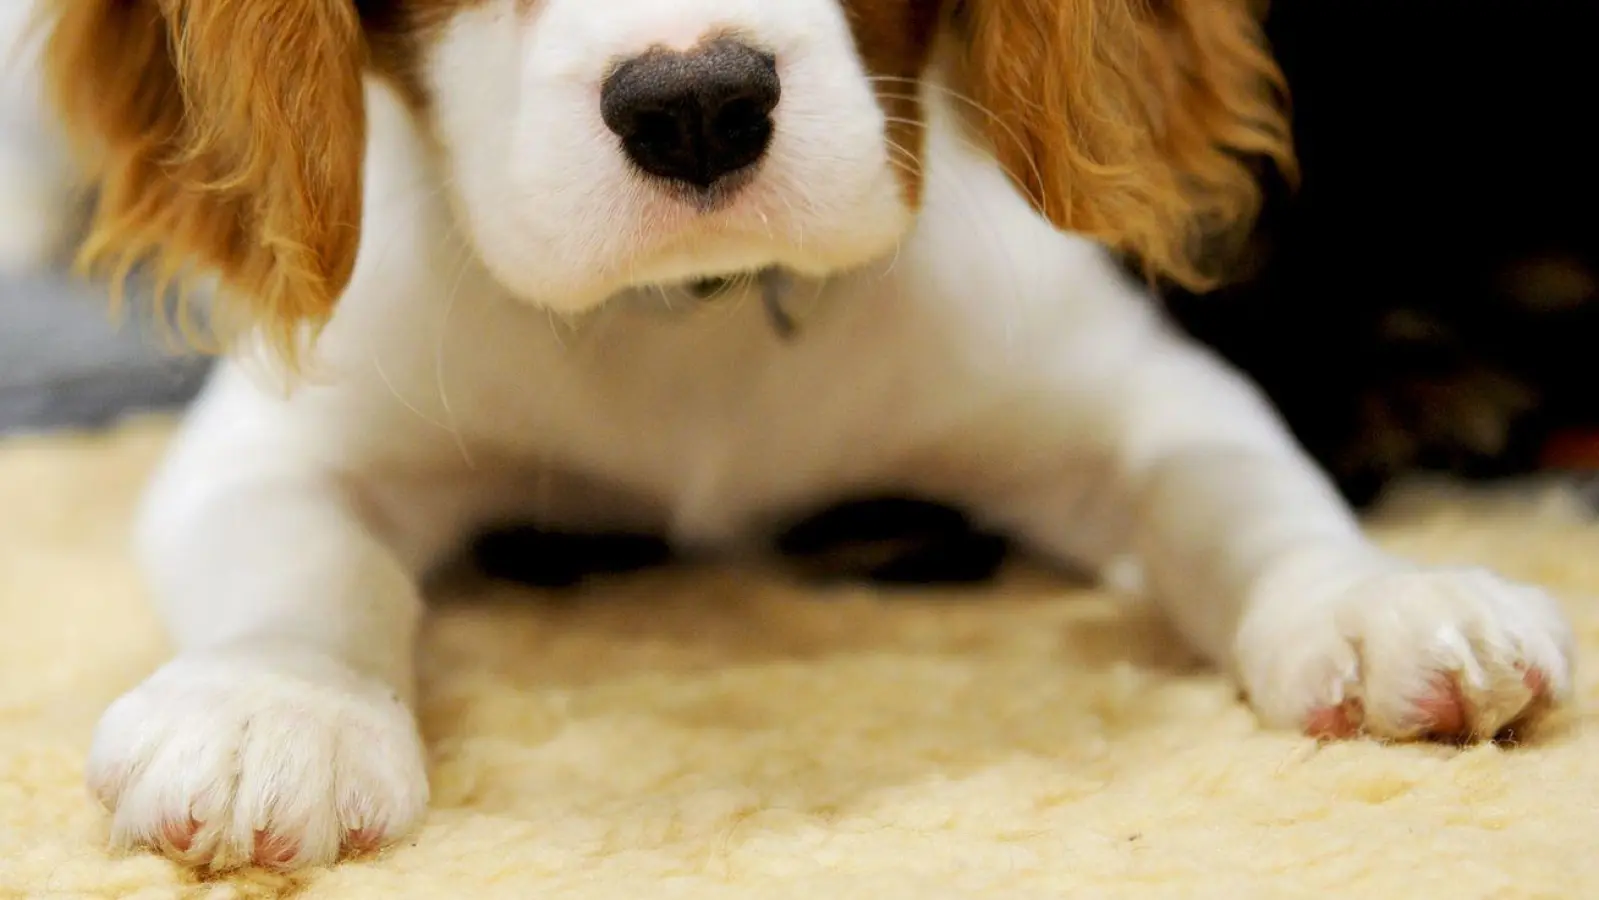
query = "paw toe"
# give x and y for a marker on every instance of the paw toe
(179, 835)
(261, 768)
(1335, 722)
(1537, 682)
(1442, 714)
(106, 787)
(1542, 696)
(1447, 655)
(363, 841)
(274, 850)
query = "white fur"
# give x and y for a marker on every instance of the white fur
(554, 211)
(970, 353)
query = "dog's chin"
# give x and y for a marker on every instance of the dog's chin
(771, 284)
(709, 261)
(702, 260)
(747, 264)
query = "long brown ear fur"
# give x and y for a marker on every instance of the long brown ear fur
(1131, 121)
(225, 138)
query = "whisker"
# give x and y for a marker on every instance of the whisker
(383, 376)
(387, 241)
(971, 103)
(439, 357)
(974, 212)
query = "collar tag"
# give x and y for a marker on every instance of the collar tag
(775, 286)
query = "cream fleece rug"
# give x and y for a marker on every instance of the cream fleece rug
(725, 735)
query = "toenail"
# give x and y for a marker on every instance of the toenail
(106, 790)
(363, 840)
(1444, 711)
(180, 835)
(272, 850)
(1536, 681)
(1334, 722)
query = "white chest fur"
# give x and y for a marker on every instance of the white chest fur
(938, 369)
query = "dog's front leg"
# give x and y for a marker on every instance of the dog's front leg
(1262, 567)
(281, 733)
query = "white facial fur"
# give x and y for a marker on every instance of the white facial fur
(561, 217)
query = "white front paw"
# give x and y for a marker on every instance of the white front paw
(1447, 654)
(276, 759)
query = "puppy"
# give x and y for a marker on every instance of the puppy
(695, 267)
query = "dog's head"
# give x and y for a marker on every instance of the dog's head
(589, 145)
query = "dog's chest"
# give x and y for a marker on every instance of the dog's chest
(714, 422)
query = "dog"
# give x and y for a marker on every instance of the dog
(694, 268)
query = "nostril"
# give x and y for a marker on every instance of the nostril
(742, 114)
(652, 126)
(743, 122)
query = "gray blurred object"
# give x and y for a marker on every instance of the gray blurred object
(64, 362)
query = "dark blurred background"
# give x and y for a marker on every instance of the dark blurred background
(1429, 297)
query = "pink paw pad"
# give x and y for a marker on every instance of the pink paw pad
(180, 835)
(1335, 722)
(1442, 713)
(274, 851)
(1537, 682)
(363, 840)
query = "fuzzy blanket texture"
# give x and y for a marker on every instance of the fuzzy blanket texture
(728, 734)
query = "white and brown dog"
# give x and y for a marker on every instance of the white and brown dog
(480, 234)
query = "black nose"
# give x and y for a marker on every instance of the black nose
(693, 117)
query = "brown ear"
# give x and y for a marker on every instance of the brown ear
(226, 138)
(1131, 121)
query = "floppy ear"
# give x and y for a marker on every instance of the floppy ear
(1131, 121)
(225, 138)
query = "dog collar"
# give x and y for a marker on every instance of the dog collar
(776, 287)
